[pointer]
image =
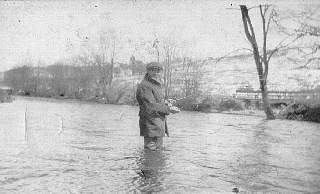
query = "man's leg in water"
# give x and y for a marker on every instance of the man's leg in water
(153, 143)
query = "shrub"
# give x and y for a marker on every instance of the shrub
(115, 92)
(187, 104)
(313, 114)
(297, 111)
(230, 104)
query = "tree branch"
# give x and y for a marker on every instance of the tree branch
(310, 60)
(264, 50)
(233, 8)
(251, 29)
(228, 54)
(271, 53)
(269, 20)
(253, 7)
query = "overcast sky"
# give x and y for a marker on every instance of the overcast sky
(55, 30)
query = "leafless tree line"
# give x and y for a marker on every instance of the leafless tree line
(93, 75)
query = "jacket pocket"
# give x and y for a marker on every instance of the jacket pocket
(156, 126)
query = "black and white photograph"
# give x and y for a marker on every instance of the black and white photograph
(159, 96)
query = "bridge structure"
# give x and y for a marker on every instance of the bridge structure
(276, 97)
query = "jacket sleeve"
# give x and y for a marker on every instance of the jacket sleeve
(147, 99)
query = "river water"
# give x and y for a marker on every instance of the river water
(56, 146)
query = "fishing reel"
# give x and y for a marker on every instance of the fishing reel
(173, 109)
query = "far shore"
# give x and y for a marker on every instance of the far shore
(246, 112)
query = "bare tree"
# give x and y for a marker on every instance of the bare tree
(105, 57)
(191, 74)
(261, 60)
(37, 79)
(57, 78)
(168, 51)
(165, 51)
(306, 26)
(156, 46)
(101, 60)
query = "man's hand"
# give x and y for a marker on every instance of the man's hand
(173, 109)
(169, 102)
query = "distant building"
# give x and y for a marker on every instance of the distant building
(137, 67)
(122, 70)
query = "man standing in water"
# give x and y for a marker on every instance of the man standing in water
(153, 108)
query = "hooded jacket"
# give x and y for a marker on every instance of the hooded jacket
(153, 110)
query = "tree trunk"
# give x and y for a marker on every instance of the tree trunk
(158, 56)
(166, 78)
(266, 104)
(111, 72)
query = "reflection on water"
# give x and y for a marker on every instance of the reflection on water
(77, 147)
(151, 166)
(254, 165)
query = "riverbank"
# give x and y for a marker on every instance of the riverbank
(297, 111)
(301, 111)
(244, 112)
(58, 98)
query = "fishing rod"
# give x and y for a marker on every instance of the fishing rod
(172, 101)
